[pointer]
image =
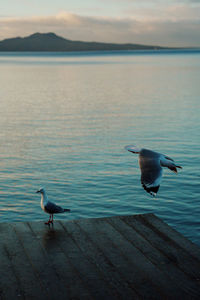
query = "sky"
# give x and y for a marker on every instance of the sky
(152, 22)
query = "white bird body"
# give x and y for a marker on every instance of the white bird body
(44, 201)
(151, 164)
(50, 207)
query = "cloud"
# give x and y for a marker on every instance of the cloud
(178, 10)
(173, 30)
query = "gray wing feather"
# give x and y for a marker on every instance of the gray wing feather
(52, 208)
(151, 170)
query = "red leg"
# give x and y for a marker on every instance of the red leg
(51, 219)
(48, 222)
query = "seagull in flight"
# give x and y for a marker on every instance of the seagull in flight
(50, 207)
(151, 164)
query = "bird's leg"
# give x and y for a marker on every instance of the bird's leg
(49, 220)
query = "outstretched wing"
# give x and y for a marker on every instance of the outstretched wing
(52, 208)
(151, 171)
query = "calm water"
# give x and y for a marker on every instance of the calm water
(65, 120)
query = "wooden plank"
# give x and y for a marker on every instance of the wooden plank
(97, 257)
(182, 262)
(127, 257)
(137, 274)
(40, 261)
(28, 281)
(7, 274)
(175, 236)
(90, 275)
(174, 277)
(53, 265)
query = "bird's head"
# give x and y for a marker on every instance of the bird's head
(41, 191)
(133, 149)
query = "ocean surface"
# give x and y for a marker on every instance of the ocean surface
(66, 117)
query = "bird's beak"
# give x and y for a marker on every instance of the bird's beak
(132, 149)
(38, 192)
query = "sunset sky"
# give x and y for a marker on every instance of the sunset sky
(157, 22)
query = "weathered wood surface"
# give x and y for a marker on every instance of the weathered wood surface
(124, 257)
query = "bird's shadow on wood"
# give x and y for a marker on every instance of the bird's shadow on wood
(51, 238)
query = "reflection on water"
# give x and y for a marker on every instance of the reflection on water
(64, 124)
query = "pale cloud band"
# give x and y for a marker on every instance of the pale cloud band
(172, 30)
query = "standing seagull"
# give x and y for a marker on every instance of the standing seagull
(49, 207)
(151, 164)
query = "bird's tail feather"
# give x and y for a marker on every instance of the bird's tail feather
(174, 168)
(67, 209)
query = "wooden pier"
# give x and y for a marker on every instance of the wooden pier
(123, 257)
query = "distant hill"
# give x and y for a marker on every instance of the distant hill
(52, 42)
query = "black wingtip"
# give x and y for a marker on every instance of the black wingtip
(67, 210)
(151, 190)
